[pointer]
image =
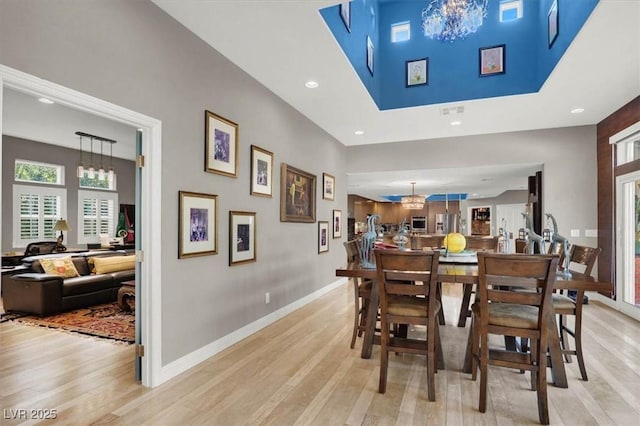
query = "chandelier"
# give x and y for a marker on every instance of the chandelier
(413, 202)
(446, 20)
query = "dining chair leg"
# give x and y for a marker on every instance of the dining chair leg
(439, 298)
(475, 349)
(541, 382)
(356, 312)
(439, 350)
(464, 306)
(484, 367)
(578, 342)
(384, 358)
(534, 375)
(431, 361)
(564, 338)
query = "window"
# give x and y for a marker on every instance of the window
(36, 210)
(510, 10)
(400, 32)
(33, 172)
(95, 183)
(96, 215)
(627, 144)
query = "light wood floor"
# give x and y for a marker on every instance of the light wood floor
(301, 371)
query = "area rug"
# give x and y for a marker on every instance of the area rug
(106, 321)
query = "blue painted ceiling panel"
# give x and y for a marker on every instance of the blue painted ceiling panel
(453, 67)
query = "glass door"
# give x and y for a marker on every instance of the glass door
(628, 243)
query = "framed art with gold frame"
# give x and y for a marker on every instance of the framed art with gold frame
(261, 172)
(297, 195)
(198, 231)
(221, 145)
(242, 237)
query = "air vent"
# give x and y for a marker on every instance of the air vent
(452, 110)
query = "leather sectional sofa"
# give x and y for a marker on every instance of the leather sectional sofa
(100, 276)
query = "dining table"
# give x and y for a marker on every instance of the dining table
(467, 275)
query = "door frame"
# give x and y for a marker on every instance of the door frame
(151, 185)
(624, 271)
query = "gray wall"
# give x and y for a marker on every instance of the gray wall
(568, 156)
(132, 54)
(16, 148)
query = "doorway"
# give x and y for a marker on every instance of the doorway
(628, 244)
(149, 195)
(509, 219)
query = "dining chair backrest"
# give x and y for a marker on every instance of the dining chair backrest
(583, 255)
(581, 258)
(397, 268)
(482, 243)
(501, 274)
(419, 242)
(353, 254)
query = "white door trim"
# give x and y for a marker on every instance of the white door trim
(151, 284)
(624, 272)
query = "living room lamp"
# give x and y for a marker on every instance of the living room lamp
(61, 225)
(80, 172)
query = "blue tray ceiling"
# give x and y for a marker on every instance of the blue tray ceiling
(453, 70)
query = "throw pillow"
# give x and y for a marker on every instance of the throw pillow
(61, 266)
(107, 264)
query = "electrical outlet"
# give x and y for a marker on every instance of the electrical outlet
(591, 233)
(575, 232)
(267, 298)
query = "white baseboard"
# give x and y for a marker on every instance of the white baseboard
(196, 357)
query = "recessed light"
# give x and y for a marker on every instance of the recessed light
(46, 101)
(577, 110)
(456, 123)
(311, 84)
(359, 132)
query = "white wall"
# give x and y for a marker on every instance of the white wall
(132, 54)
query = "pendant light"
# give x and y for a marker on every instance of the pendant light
(92, 170)
(80, 171)
(101, 175)
(413, 202)
(111, 174)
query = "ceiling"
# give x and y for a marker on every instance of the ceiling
(24, 117)
(283, 44)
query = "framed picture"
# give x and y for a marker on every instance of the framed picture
(345, 14)
(492, 60)
(370, 55)
(552, 23)
(198, 232)
(297, 195)
(323, 236)
(221, 145)
(417, 72)
(328, 186)
(337, 223)
(261, 172)
(242, 237)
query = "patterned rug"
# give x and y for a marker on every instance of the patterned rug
(106, 321)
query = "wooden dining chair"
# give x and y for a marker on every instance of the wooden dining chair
(361, 293)
(502, 311)
(474, 243)
(580, 257)
(407, 287)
